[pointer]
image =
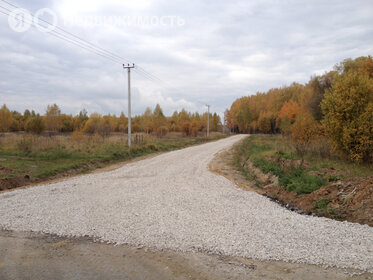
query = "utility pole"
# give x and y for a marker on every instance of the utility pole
(208, 120)
(128, 67)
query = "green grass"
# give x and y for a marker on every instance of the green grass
(63, 155)
(300, 181)
(321, 204)
(266, 151)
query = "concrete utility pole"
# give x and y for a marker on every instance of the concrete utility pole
(208, 120)
(128, 67)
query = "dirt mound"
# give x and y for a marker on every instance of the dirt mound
(347, 200)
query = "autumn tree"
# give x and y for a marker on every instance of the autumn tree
(122, 123)
(52, 118)
(92, 124)
(6, 119)
(35, 124)
(147, 120)
(303, 132)
(348, 110)
(158, 118)
(291, 109)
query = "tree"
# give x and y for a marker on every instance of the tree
(159, 118)
(35, 124)
(92, 124)
(348, 110)
(303, 132)
(162, 131)
(123, 123)
(186, 129)
(67, 123)
(291, 109)
(285, 125)
(319, 85)
(52, 118)
(146, 120)
(6, 119)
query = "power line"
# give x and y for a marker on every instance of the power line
(88, 46)
(76, 40)
(71, 34)
(65, 38)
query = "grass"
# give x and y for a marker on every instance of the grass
(321, 204)
(44, 156)
(266, 152)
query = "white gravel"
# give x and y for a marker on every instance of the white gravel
(173, 201)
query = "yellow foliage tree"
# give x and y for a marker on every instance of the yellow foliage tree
(6, 119)
(303, 132)
(348, 110)
(52, 118)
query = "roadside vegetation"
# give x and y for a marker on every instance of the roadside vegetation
(335, 108)
(38, 156)
(26, 158)
(303, 174)
(313, 181)
(316, 146)
(36, 147)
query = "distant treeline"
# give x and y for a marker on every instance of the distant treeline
(152, 121)
(337, 105)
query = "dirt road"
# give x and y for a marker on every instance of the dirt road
(173, 201)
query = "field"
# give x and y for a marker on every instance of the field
(320, 182)
(26, 158)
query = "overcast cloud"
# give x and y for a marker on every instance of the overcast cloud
(224, 50)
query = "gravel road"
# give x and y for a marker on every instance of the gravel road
(173, 201)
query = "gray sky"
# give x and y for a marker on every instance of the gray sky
(216, 52)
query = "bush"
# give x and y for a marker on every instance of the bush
(348, 109)
(303, 132)
(77, 136)
(300, 181)
(35, 124)
(321, 204)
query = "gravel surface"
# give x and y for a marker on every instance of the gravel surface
(173, 201)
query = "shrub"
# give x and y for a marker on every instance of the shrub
(303, 132)
(77, 136)
(300, 181)
(348, 109)
(35, 124)
(321, 204)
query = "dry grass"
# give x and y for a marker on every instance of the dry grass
(39, 156)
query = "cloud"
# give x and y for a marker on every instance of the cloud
(225, 49)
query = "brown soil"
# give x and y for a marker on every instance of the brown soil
(223, 165)
(14, 182)
(345, 200)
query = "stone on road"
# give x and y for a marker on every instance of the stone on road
(172, 201)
